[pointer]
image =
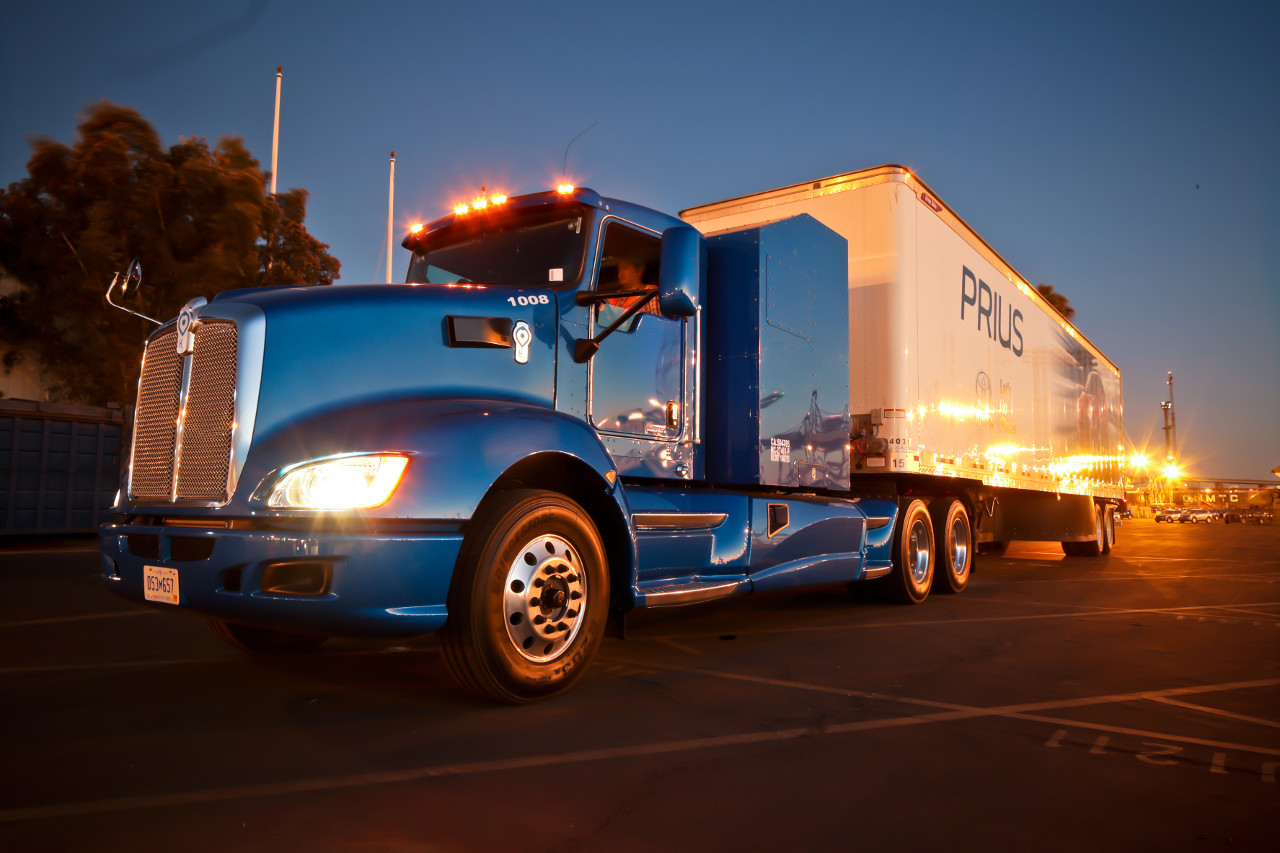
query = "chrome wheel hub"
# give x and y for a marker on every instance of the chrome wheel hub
(918, 551)
(544, 599)
(959, 548)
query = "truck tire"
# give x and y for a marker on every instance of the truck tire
(263, 641)
(529, 598)
(1108, 528)
(1092, 547)
(953, 537)
(913, 556)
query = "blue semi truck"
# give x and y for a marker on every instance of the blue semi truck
(575, 407)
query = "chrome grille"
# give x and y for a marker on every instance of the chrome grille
(156, 419)
(206, 428)
(193, 438)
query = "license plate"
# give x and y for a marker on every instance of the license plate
(160, 584)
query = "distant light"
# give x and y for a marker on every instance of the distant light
(565, 189)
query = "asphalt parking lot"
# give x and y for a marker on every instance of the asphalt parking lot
(1127, 702)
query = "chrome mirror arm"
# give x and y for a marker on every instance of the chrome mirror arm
(115, 279)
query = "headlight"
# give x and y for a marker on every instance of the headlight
(345, 482)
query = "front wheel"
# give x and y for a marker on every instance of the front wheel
(913, 556)
(529, 599)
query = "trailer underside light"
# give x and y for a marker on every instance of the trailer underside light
(416, 228)
(565, 189)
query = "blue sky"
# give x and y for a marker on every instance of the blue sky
(1124, 152)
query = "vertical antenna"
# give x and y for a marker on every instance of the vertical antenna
(275, 131)
(391, 206)
(564, 167)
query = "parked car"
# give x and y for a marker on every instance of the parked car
(1259, 518)
(1170, 515)
(1232, 517)
(1195, 516)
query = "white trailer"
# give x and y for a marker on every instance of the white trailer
(963, 380)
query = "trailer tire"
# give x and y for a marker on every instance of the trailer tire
(263, 641)
(1108, 528)
(914, 555)
(529, 599)
(953, 538)
(1092, 547)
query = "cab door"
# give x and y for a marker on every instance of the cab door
(640, 382)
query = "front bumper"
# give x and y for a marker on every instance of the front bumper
(361, 584)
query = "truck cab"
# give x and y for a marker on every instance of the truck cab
(509, 447)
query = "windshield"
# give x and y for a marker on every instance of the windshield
(524, 249)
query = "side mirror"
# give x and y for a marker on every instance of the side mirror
(684, 263)
(132, 279)
(129, 284)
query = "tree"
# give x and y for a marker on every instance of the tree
(199, 218)
(1057, 300)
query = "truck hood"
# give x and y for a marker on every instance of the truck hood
(326, 348)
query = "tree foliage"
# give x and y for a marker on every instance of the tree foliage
(1057, 300)
(199, 218)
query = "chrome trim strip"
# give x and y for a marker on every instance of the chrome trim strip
(676, 595)
(678, 520)
(184, 391)
(872, 574)
(697, 385)
(875, 522)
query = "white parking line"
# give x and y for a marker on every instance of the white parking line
(673, 640)
(1218, 712)
(960, 712)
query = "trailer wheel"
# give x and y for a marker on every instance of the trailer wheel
(913, 556)
(1092, 547)
(263, 641)
(529, 599)
(1108, 529)
(954, 543)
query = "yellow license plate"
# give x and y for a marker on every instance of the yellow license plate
(160, 584)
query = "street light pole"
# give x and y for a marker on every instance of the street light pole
(1170, 426)
(391, 206)
(275, 130)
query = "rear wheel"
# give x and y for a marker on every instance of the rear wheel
(263, 641)
(953, 538)
(913, 556)
(1092, 547)
(1108, 529)
(529, 599)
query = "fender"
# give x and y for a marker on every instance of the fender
(458, 450)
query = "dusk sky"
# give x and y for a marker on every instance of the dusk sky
(1127, 153)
